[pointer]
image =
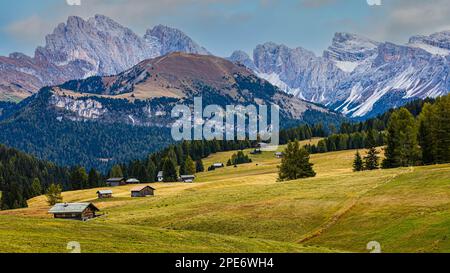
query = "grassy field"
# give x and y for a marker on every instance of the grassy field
(245, 209)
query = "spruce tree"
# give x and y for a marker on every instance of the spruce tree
(116, 171)
(36, 188)
(189, 166)
(94, 179)
(169, 170)
(428, 134)
(295, 163)
(53, 194)
(371, 160)
(151, 170)
(402, 145)
(442, 125)
(199, 166)
(358, 164)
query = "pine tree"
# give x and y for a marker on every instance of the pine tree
(169, 170)
(295, 163)
(442, 125)
(189, 165)
(94, 179)
(358, 164)
(79, 178)
(53, 194)
(428, 134)
(36, 188)
(402, 145)
(322, 147)
(151, 170)
(116, 171)
(371, 160)
(199, 166)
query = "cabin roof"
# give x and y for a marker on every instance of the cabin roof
(140, 188)
(133, 180)
(187, 176)
(105, 192)
(115, 179)
(160, 174)
(71, 207)
(218, 164)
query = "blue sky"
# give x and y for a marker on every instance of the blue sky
(225, 25)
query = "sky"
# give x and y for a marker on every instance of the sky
(223, 26)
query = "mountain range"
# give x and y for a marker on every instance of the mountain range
(356, 76)
(101, 121)
(82, 48)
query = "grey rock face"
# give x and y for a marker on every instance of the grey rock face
(81, 48)
(357, 76)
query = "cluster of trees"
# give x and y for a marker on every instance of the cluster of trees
(180, 159)
(22, 177)
(422, 140)
(295, 163)
(350, 141)
(239, 158)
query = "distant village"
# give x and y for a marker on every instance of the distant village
(87, 211)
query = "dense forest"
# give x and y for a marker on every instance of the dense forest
(418, 133)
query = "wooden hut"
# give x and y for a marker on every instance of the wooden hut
(142, 191)
(104, 194)
(116, 181)
(74, 211)
(133, 181)
(187, 178)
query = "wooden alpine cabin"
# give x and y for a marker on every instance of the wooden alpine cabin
(187, 178)
(74, 211)
(133, 181)
(142, 191)
(116, 181)
(102, 194)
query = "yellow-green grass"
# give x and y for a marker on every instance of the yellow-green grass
(245, 209)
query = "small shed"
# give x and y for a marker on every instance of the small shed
(104, 194)
(218, 165)
(142, 191)
(133, 181)
(116, 181)
(187, 178)
(160, 176)
(74, 211)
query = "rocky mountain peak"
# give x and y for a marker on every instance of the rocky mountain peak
(173, 40)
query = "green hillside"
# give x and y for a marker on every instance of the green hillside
(244, 209)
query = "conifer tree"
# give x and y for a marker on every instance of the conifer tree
(116, 171)
(36, 188)
(53, 194)
(371, 160)
(295, 163)
(402, 145)
(199, 167)
(169, 170)
(358, 164)
(189, 165)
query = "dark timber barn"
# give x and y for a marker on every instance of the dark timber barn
(142, 191)
(74, 211)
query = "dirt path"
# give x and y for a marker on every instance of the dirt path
(347, 206)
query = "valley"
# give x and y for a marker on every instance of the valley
(244, 209)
